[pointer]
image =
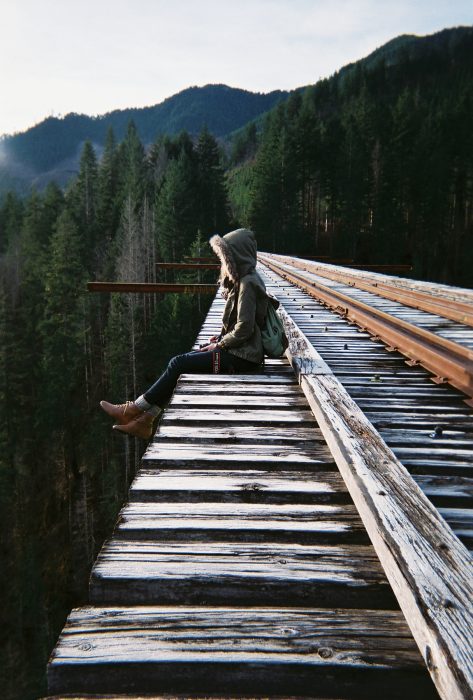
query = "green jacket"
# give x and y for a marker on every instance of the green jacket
(247, 300)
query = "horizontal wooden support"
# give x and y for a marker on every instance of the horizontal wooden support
(238, 486)
(187, 266)
(299, 523)
(230, 652)
(151, 288)
(201, 259)
(148, 572)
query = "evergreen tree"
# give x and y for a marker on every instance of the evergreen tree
(62, 331)
(213, 214)
(133, 166)
(82, 201)
(108, 205)
(177, 208)
(11, 213)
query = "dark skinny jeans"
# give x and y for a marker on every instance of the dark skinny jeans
(195, 363)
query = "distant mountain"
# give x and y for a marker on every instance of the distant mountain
(436, 46)
(51, 149)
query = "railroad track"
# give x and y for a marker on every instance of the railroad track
(244, 565)
(426, 334)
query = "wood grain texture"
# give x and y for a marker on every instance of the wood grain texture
(239, 414)
(252, 456)
(242, 522)
(235, 573)
(304, 437)
(360, 654)
(238, 486)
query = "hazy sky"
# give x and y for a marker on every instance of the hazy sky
(92, 56)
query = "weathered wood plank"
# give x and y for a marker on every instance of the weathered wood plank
(242, 522)
(239, 486)
(447, 491)
(461, 522)
(258, 378)
(236, 388)
(241, 434)
(260, 401)
(356, 654)
(240, 415)
(148, 572)
(172, 455)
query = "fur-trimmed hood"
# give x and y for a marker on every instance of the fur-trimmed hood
(236, 252)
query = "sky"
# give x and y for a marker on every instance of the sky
(93, 56)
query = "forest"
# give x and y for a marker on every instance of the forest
(63, 474)
(374, 164)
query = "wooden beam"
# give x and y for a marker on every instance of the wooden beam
(428, 568)
(235, 652)
(187, 266)
(151, 288)
(205, 259)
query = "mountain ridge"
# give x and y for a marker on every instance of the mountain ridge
(51, 149)
(54, 145)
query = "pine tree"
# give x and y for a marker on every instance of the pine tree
(133, 167)
(11, 214)
(107, 206)
(177, 208)
(213, 214)
(82, 200)
(62, 331)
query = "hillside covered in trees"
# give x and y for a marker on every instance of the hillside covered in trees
(63, 473)
(374, 164)
(50, 150)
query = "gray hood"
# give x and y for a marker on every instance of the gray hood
(237, 253)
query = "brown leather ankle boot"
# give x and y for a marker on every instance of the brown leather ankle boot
(122, 413)
(140, 427)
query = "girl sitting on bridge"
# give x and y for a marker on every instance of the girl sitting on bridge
(238, 348)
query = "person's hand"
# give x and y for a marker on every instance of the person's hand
(213, 339)
(208, 348)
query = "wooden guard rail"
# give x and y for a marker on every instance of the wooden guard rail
(428, 568)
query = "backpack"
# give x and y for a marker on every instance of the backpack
(272, 332)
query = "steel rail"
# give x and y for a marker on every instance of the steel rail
(448, 361)
(455, 310)
(435, 289)
(187, 266)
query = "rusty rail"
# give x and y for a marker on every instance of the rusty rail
(187, 266)
(151, 288)
(447, 360)
(448, 307)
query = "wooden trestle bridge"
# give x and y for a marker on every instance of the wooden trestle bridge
(305, 531)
